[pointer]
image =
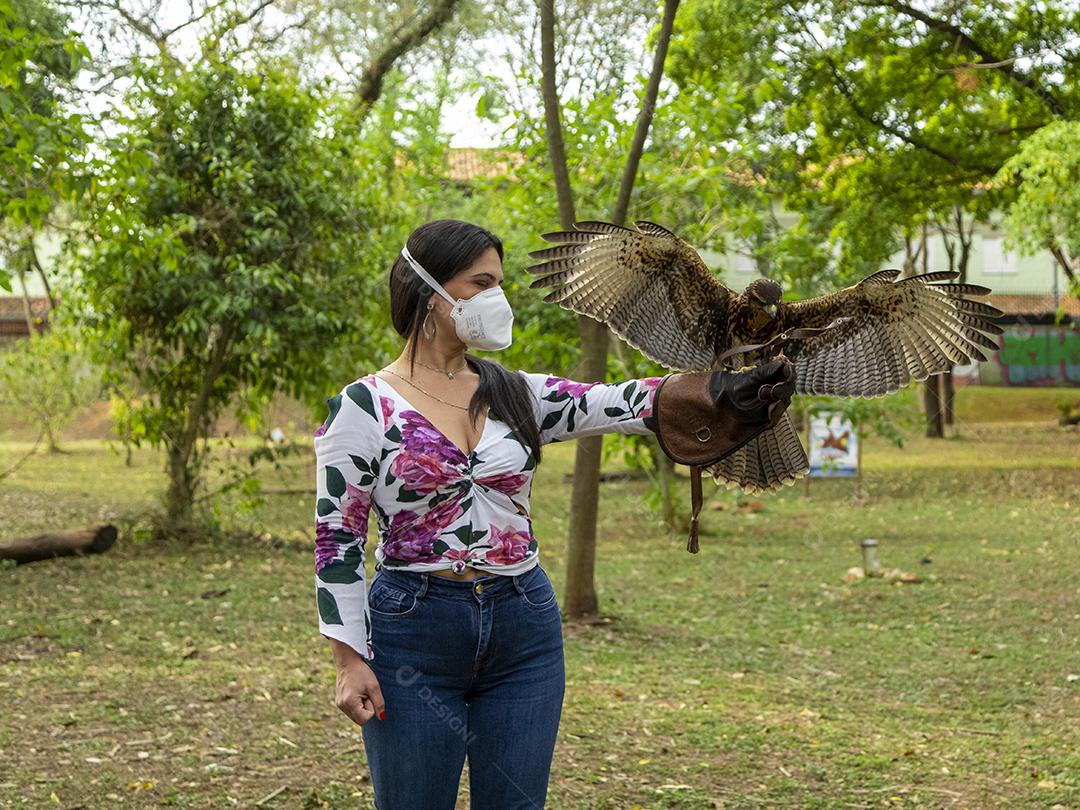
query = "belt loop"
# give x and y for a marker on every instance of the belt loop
(517, 581)
(423, 584)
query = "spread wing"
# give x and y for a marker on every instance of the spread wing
(648, 285)
(890, 332)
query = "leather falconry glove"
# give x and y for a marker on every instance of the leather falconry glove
(703, 416)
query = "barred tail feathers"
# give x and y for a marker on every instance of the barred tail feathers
(773, 459)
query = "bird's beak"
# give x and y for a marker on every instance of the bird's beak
(770, 310)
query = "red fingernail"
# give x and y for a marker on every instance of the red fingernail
(382, 714)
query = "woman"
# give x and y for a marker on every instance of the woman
(456, 644)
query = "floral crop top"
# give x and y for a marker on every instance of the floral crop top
(437, 507)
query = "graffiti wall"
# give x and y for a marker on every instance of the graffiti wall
(1031, 355)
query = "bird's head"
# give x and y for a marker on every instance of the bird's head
(763, 295)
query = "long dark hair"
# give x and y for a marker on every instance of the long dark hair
(445, 247)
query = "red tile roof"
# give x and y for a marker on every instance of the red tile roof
(466, 163)
(12, 307)
(1033, 304)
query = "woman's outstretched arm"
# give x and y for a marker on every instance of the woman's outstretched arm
(568, 409)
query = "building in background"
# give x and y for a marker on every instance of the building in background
(1041, 344)
(13, 316)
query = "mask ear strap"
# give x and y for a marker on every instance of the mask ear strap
(426, 276)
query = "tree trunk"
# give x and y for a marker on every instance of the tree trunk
(180, 496)
(28, 313)
(580, 590)
(185, 461)
(580, 598)
(948, 398)
(932, 407)
(665, 470)
(645, 115)
(58, 544)
(41, 272)
(1061, 256)
(556, 150)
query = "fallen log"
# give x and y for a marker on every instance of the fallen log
(58, 544)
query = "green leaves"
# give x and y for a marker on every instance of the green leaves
(1046, 175)
(334, 403)
(328, 607)
(361, 395)
(866, 119)
(345, 571)
(335, 481)
(234, 205)
(42, 141)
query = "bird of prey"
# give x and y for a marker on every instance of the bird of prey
(654, 291)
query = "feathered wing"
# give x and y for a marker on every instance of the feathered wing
(648, 285)
(888, 333)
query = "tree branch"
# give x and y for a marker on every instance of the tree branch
(990, 60)
(371, 82)
(911, 140)
(1063, 261)
(34, 260)
(648, 106)
(556, 149)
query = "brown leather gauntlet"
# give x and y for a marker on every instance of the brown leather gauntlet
(701, 417)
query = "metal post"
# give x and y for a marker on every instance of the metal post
(871, 564)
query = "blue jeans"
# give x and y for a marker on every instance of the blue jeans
(466, 667)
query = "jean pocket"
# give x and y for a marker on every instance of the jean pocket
(537, 592)
(386, 599)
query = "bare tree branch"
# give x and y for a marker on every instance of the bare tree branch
(648, 106)
(1063, 261)
(371, 82)
(193, 19)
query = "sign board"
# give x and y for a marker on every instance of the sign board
(834, 446)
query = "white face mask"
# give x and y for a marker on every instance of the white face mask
(483, 321)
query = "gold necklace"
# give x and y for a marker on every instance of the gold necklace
(410, 382)
(449, 374)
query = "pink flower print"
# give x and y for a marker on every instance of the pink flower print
(422, 473)
(562, 385)
(422, 438)
(387, 409)
(507, 483)
(411, 537)
(320, 430)
(326, 547)
(508, 545)
(355, 504)
(649, 384)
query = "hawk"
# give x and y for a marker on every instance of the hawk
(654, 291)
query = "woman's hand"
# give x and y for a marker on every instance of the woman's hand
(358, 692)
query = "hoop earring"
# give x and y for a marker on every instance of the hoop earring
(423, 326)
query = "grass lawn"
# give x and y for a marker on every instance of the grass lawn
(748, 675)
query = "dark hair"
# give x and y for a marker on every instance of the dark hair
(445, 247)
